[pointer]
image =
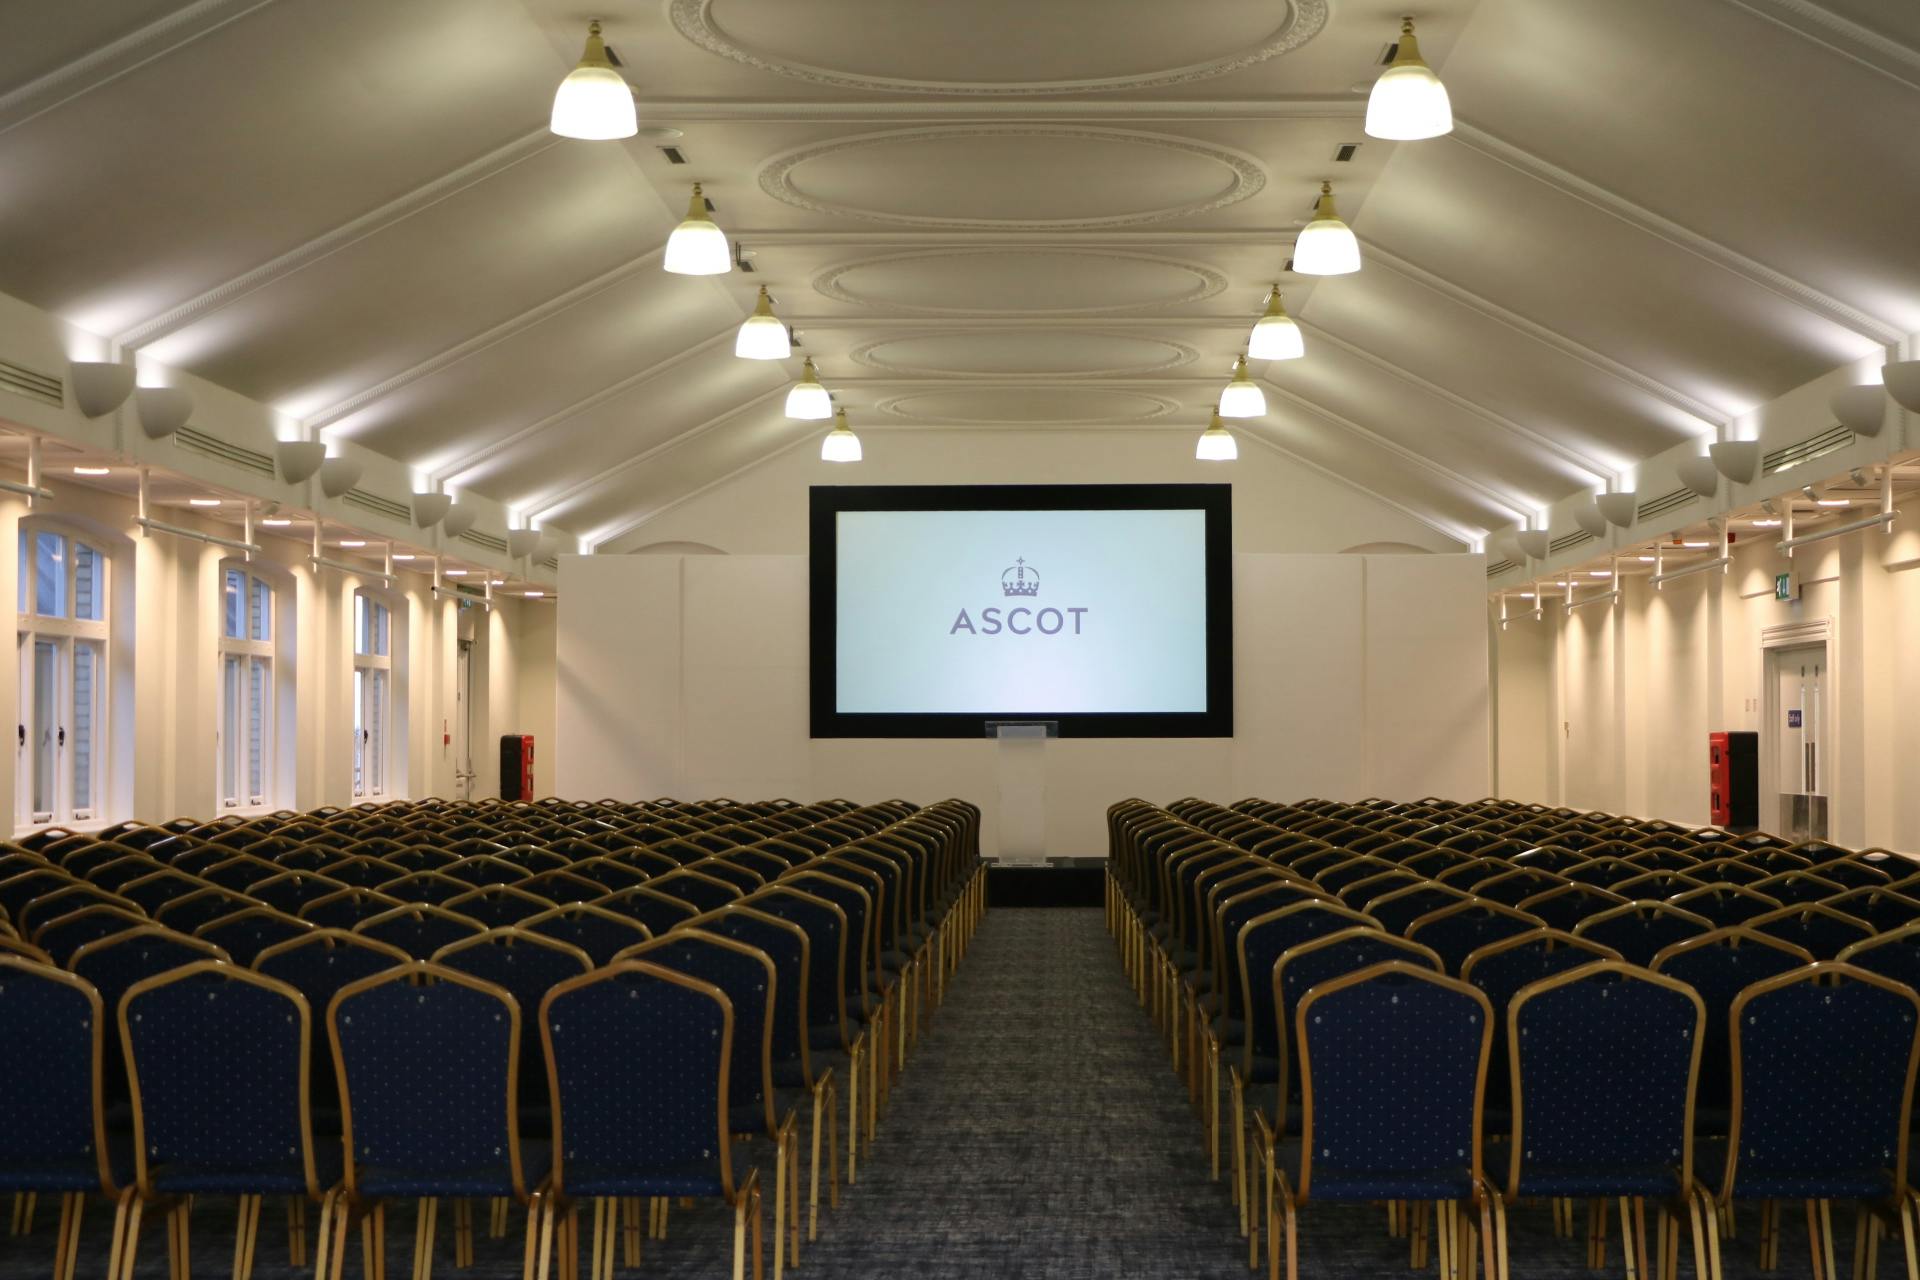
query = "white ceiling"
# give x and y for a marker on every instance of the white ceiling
(1652, 217)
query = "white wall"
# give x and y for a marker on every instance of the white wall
(1610, 707)
(166, 594)
(1357, 675)
(1279, 504)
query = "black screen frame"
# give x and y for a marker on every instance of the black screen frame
(826, 502)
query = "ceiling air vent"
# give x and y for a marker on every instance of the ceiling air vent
(23, 381)
(1389, 52)
(613, 57)
(234, 455)
(1664, 503)
(487, 540)
(1806, 450)
(1345, 152)
(674, 155)
(1499, 567)
(1567, 542)
(378, 505)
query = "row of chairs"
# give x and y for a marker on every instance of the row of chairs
(1231, 920)
(727, 1016)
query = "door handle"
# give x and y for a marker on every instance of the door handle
(63, 736)
(23, 735)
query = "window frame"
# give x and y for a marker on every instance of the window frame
(374, 677)
(247, 651)
(68, 636)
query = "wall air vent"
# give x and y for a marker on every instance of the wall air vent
(1568, 541)
(234, 455)
(1499, 567)
(496, 545)
(1664, 503)
(549, 562)
(1345, 152)
(23, 381)
(1806, 450)
(674, 155)
(379, 506)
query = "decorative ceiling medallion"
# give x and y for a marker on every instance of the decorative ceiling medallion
(1204, 282)
(1170, 355)
(1303, 20)
(1028, 406)
(1246, 177)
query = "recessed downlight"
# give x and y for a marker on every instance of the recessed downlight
(276, 522)
(93, 471)
(453, 573)
(203, 502)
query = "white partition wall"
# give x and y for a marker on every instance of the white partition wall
(1355, 675)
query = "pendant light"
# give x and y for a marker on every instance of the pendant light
(594, 102)
(1326, 246)
(1216, 443)
(1243, 397)
(763, 336)
(1408, 101)
(1275, 335)
(840, 444)
(809, 400)
(698, 247)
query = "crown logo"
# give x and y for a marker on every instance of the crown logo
(1019, 580)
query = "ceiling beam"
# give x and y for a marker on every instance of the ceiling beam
(106, 63)
(1446, 528)
(673, 111)
(372, 222)
(1566, 453)
(613, 391)
(1754, 272)
(538, 507)
(533, 316)
(599, 540)
(1279, 239)
(1838, 34)
(1512, 506)
(1709, 415)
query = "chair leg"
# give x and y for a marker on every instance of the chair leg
(67, 1243)
(635, 1206)
(820, 1098)
(540, 1218)
(1826, 1239)
(323, 1238)
(179, 1239)
(1289, 1225)
(533, 1252)
(246, 1229)
(833, 1155)
(793, 1199)
(740, 1238)
(1907, 1237)
(425, 1221)
(1240, 1149)
(779, 1205)
(759, 1251)
(1213, 1105)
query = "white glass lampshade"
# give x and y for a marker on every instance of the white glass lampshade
(1216, 443)
(698, 247)
(840, 444)
(809, 400)
(763, 336)
(1243, 397)
(1275, 335)
(1408, 101)
(1326, 246)
(594, 102)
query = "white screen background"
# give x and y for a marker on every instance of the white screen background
(904, 576)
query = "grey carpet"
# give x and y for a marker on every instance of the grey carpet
(1038, 1132)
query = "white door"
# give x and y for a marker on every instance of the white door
(1797, 737)
(463, 773)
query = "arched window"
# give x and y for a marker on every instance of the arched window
(64, 642)
(247, 732)
(373, 680)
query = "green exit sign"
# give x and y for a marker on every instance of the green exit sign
(1784, 587)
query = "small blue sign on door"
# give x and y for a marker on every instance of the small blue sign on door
(1793, 719)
